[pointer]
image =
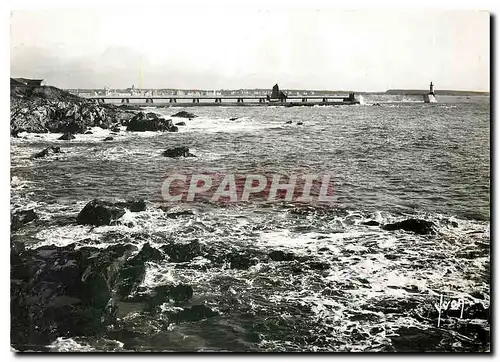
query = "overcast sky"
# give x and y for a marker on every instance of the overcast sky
(180, 47)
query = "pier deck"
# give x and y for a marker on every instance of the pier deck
(193, 100)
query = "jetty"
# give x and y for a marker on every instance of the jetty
(277, 98)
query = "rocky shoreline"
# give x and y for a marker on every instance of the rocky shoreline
(77, 290)
(47, 109)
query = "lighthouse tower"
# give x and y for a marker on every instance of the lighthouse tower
(430, 97)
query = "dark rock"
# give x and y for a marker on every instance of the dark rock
(180, 253)
(178, 152)
(108, 138)
(180, 124)
(239, 261)
(98, 212)
(184, 114)
(233, 118)
(278, 255)
(413, 339)
(195, 313)
(371, 223)
(22, 217)
(179, 294)
(288, 122)
(115, 128)
(477, 311)
(300, 123)
(417, 226)
(317, 265)
(148, 253)
(130, 107)
(477, 294)
(134, 205)
(175, 215)
(150, 122)
(48, 109)
(88, 132)
(63, 291)
(47, 151)
(134, 270)
(66, 137)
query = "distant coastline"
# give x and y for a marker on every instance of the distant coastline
(443, 92)
(264, 92)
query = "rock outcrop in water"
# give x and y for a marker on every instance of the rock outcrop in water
(22, 217)
(184, 114)
(417, 226)
(99, 212)
(47, 151)
(178, 152)
(49, 109)
(62, 291)
(66, 137)
(180, 252)
(150, 122)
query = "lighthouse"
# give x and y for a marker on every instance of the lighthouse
(430, 97)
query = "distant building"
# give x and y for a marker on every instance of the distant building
(25, 83)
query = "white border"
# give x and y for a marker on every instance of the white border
(9, 5)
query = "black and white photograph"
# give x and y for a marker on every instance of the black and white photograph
(202, 177)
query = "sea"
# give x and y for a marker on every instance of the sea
(348, 286)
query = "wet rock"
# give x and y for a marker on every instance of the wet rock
(240, 261)
(180, 253)
(109, 138)
(48, 109)
(195, 313)
(89, 132)
(22, 217)
(477, 294)
(134, 205)
(300, 123)
(134, 270)
(413, 339)
(184, 114)
(233, 118)
(178, 152)
(63, 291)
(371, 223)
(288, 122)
(318, 265)
(477, 311)
(47, 151)
(130, 107)
(175, 215)
(98, 212)
(142, 122)
(279, 255)
(66, 137)
(115, 128)
(417, 226)
(179, 294)
(180, 124)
